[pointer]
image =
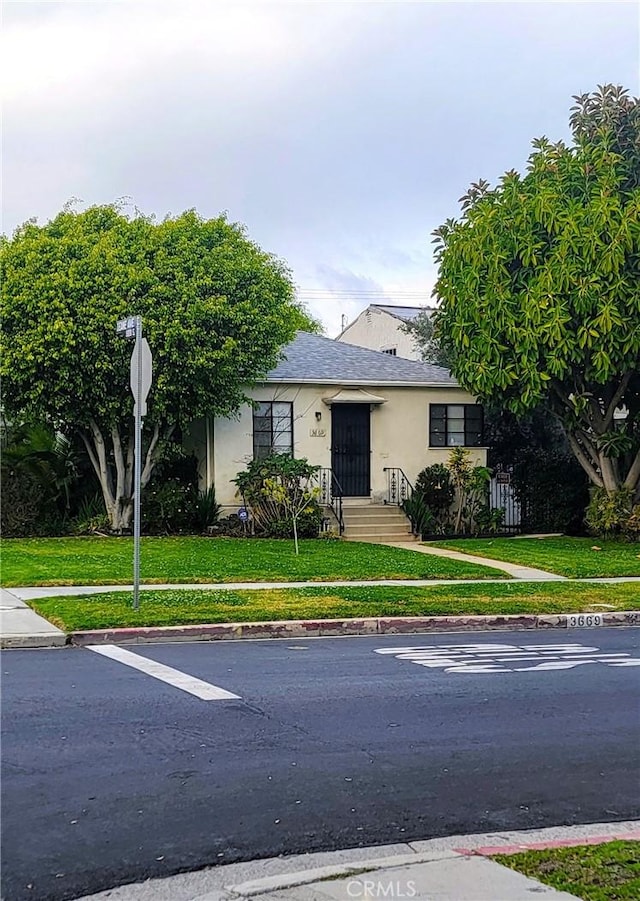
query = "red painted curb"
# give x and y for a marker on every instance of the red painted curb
(491, 850)
(323, 627)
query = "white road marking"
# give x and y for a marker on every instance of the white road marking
(504, 658)
(183, 681)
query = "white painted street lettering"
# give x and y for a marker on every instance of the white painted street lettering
(506, 658)
(203, 690)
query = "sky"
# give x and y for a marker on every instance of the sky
(340, 133)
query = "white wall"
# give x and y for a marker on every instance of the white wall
(399, 433)
(379, 330)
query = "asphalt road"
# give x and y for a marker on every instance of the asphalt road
(112, 776)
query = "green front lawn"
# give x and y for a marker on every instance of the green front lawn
(108, 561)
(172, 607)
(572, 557)
(607, 872)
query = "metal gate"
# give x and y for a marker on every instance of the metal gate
(502, 496)
(351, 448)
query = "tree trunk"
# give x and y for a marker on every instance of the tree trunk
(295, 535)
(605, 472)
(110, 461)
(587, 425)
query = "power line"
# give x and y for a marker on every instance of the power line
(424, 296)
(365, 290)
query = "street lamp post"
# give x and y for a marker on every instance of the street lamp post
(140, 381)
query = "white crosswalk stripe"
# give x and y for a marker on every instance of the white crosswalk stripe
(203, 690)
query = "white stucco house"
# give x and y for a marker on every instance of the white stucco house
(380, 327)
(368, 419)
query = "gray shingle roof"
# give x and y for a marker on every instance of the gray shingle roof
(312, 358)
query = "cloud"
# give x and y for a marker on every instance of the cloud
(340, 133)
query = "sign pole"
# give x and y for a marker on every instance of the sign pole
(137, 466)
(140, 378)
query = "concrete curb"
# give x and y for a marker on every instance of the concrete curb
(315, 628)
(491, 850)
(292, 880)
(35, 640)
(284, 881)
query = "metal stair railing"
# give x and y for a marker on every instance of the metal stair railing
(331, 494)
(399, 488)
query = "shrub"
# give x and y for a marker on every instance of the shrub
(91, 518)
(631, 528)
(615, 515)
(169, 501)
(434, 487)
(552, 490)
(307, 525)
(423, 519)
(42, 482)
(207, 509)
(21, 505)
(429, 507)
(280, 493)
(169, 507)
(490, 521)
(471, 485)
(228, 527)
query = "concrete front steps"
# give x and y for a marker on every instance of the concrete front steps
(375, 523)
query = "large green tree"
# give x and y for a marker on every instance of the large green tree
(539, 282)
(216, 311)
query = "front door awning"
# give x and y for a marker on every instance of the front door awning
(353, 396)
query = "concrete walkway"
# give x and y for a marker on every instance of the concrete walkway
(513, 569)
(21, 627)
(454, 868)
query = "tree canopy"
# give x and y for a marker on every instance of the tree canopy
(539, 282)
(216, 311)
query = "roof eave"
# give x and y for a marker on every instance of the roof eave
(383, 383)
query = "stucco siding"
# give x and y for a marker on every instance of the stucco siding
(379, 330)
(399, 433)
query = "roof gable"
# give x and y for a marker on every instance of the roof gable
(406, 314)
(403, 314)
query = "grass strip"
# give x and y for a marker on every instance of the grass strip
(607, 872)
(576, 558)
(173, 607)
(100, 561)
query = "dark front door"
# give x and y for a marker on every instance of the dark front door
(351, 448)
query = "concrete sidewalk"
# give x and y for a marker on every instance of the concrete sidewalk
(454, 868)
(436, 876)
(21, 627)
